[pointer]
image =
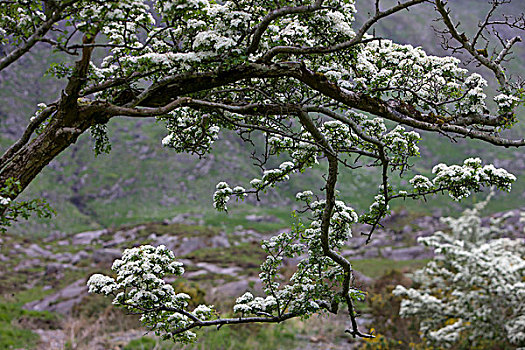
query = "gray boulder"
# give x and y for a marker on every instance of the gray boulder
(106, 255)
(87, 237)
(235, 289)
(55, 268)
(61, 301)
(36, 251)
(27, 264)
(409, 253)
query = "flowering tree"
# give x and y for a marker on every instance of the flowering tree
(474, 288)
(301, 73)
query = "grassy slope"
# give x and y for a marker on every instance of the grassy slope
(96, 318)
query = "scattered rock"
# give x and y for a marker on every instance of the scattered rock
(87, 237)
(246, 235)
(61, 301)
(190, 244)
(219, 270)
(184, 218)
(366, 253)
(63, 257)
(27, 264)
(171, 242)
(54, 236)
(407, 229)
(409, 253)
(186, 245)
(262, 218)
(80, 256)
(51, 339)
(34, 251)
(54, 268)
(193, 274)
(106, 255)
(235, 289)
(220, 241)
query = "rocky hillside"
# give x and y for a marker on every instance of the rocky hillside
(43, 281)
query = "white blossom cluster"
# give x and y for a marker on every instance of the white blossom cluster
(201, 32)
(223, 193)
(159, 43)
(401, 144)
(4, 201)
(336, 21)
(314, 285)
(506, 103)
(121, 19)
(248, 304)
(340, 224)
(374, 127)
(339, 134)
(19, 20)
(475, 97)
(421, 183)
(188, 131)
(473, 289)
(189, 37)
(272, 176)
(378, 209)
(415, 77)
(269, 179)
(461, 180)
(176, 37)
(139, 287)
(303, 152)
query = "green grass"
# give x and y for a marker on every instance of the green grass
(12, 337)
(144, 343)
(379, 267)
(244, 337)
(14, 321)
(246, 255)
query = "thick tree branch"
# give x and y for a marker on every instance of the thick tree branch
(63, 130)
(33, 125)
(388, 110)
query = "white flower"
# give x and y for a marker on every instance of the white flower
(421, 183)
(5, 201)
(98, 283)
(166, 141)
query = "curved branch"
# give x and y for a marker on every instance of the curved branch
(357, 39)
(259, 30)
(37, 36)
(494, 66)
(331, 181)
(387, 110)
(506, 50)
